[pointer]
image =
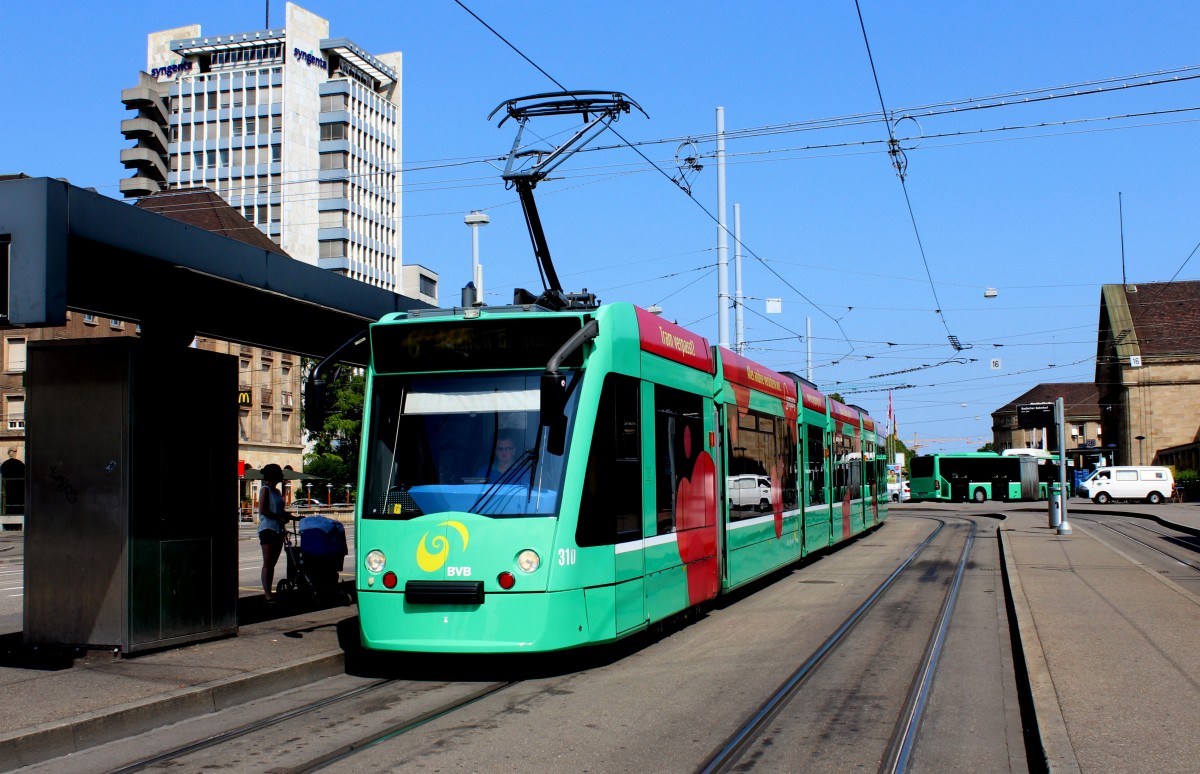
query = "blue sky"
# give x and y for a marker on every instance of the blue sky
(1021, 197)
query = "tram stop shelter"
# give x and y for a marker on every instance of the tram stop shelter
(89, 473)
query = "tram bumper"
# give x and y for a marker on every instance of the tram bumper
(502, 623)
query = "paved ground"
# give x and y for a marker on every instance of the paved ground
(1110, 652)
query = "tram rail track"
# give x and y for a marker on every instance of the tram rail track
(174, 756)
(896, 757)
(1192, 563)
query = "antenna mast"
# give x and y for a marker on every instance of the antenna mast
(598, 109)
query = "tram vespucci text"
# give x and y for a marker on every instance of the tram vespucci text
(678, 343)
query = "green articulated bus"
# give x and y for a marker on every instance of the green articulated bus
(982, 476)
(537, 480)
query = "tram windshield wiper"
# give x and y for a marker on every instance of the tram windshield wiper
(521, 466)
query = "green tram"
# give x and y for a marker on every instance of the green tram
(981, 476)
(536, 480)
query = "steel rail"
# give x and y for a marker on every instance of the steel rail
(737, 744)
(249, 728)
(905, 737)
(1170, 556)
(393, 731)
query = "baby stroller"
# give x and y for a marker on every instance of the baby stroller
(316, 549)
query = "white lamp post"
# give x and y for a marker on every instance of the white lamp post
(474, 221)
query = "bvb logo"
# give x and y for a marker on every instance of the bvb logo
(432, 562)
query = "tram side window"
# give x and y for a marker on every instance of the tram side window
(762, 448)
(678, 442)
(611, 509)
(870, 467)
(816, 466)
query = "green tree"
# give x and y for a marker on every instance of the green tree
(987, 447)
(334, 449)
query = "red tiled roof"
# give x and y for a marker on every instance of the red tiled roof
(1166, 317)
(202, 208)
(1079, 398)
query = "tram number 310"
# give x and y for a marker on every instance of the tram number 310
(566, 556)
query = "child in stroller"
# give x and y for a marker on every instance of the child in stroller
(316, 549)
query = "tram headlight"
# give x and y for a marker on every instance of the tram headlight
(528, 560)
(375, 560)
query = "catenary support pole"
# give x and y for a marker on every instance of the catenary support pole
(722, 238)
(739, 322)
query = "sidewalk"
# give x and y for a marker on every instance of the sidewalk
(55, 704)
(1110, 646)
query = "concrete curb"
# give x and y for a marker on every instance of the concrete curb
(52, 740)
(1052, 729)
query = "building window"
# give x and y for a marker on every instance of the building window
(334, 160)
(212, 100)
(14, 354)
(428, 286)
(14, 411)
(332, 219)
(334, 189)
(266, 426)
(89, 319)
(334, 131)
(250, 125)
(116, 324)
(333, 102)
(333, 249)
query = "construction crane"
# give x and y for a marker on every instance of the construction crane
(918, 444)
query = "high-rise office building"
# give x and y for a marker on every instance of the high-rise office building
(298, 131)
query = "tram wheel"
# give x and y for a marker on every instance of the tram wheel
(980, 496)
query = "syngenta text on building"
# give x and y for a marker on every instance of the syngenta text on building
(170, 71)
(310, 59)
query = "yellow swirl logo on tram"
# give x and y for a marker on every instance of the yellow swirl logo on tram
(432, 561)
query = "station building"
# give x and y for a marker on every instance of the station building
(1143, 408)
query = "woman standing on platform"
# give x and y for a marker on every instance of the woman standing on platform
(271, 517)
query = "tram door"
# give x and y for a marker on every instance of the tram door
(611, 509)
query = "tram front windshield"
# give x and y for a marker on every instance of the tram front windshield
(465, 443)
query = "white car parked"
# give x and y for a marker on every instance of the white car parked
(749, 491)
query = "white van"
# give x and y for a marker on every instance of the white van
(1133, 482)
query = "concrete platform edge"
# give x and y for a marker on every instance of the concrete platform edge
(51, 740)
(1052, 729)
